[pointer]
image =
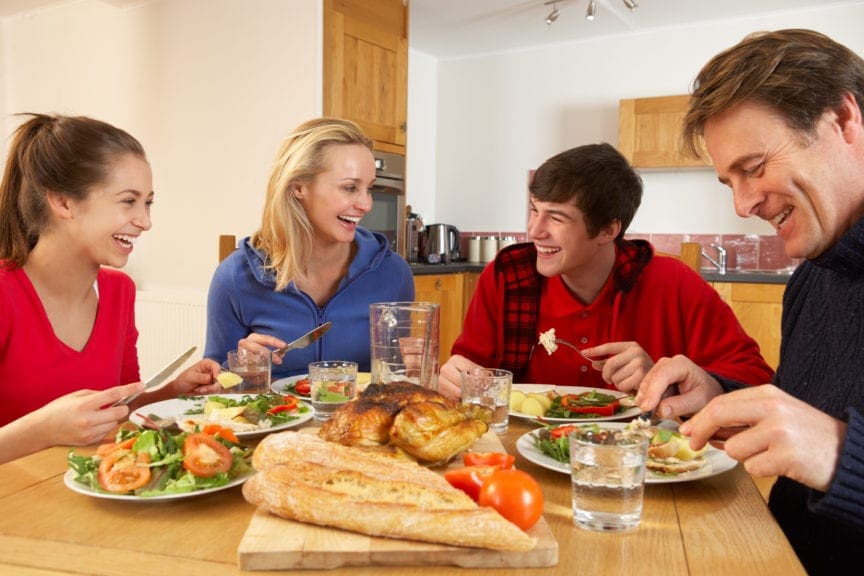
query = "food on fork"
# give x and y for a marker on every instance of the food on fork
(305, 478)
(547, 340)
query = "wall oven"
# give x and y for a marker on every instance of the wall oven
(388, 200)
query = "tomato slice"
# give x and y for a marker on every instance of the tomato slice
(515, 494)
(122, 470)
(105, 449)
(469, 479)
(303, 387)
(497, 459)
(221, 432)
(204, 456)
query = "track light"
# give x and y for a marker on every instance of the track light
(592, 8)
(553, 15)
(631, 4)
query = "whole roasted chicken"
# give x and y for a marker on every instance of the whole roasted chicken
(420, 422)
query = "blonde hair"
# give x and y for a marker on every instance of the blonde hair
(286, 234)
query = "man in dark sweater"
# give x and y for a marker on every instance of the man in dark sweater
(781, 117)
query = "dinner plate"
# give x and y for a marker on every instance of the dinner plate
(716, 463)
(562, 390)
(181, 406)
(69, 480)
(286, 385)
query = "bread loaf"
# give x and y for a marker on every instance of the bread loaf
(305, 478)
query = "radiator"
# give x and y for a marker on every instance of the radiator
(168, 324)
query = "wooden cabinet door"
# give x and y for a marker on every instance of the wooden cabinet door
(649, 132)
(366, 67)
(758, 308)
(446, 290)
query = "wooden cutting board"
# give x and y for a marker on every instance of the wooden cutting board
(273, 543)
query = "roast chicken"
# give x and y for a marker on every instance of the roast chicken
(422, 423)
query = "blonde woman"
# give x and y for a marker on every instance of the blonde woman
(310, 261)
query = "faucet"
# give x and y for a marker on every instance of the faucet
(720, 263)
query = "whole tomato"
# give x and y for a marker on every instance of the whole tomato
(515, 495)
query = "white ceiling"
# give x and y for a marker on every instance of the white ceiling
(453, 28)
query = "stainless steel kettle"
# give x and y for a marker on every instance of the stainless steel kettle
(442, 243)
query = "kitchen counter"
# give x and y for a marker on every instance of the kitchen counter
(749, 276)
(421, 269)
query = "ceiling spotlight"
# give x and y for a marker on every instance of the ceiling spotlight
(592, 8)
(553, 15)
(631, 4)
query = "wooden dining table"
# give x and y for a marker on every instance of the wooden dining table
(718, 525)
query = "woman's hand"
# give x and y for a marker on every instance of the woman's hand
(80, 418)
(263, 344)
(197, 380)
(450, 376)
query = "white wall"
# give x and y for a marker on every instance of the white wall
(210, 87)
(500, 115)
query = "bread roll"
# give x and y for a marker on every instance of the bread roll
(302, 477)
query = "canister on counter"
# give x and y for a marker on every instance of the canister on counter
(474, 249)
(505, 241)
(488, 248)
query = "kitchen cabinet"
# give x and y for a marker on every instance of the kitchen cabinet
(448, 291)
(366, 67)
(758, 308)
(468, 287)
(649, 132)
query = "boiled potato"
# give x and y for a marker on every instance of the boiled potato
(228, 379)
(532, 407)
(687, 453)
(516, 399)
(543, 399)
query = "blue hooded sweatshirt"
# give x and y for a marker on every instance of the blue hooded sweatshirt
(243, 299)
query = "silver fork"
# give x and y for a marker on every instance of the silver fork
(596, 364)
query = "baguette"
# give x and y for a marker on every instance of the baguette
(305, 478)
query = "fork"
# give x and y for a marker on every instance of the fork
(596, 364)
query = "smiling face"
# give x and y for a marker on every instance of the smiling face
(808, 187)
(564, 245)
(340, 196)
(115, 213)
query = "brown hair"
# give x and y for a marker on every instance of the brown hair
(68, 155)
(286, 233)
(597, 179)
(798, 73)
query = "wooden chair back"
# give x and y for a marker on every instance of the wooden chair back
(691, 255)
(227, 244)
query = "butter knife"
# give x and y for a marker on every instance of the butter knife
(159, 377)
(305, 340)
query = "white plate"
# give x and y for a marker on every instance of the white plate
(280, 386)
(717, 461)
(180, 406)
(69, 480)
(562, 390)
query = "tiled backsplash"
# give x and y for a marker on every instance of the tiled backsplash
(743, 251)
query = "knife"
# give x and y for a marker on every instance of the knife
(159, 377)
(305, 340)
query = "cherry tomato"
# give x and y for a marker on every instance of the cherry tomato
(303, 387)
(122, 470)
(498, 459)
(515, 495)
(204, 456)
(469, 479)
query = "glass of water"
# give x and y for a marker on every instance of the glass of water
(332, 383)
(608, 478)
(489, 387)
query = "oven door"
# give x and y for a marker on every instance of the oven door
(388, 212)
